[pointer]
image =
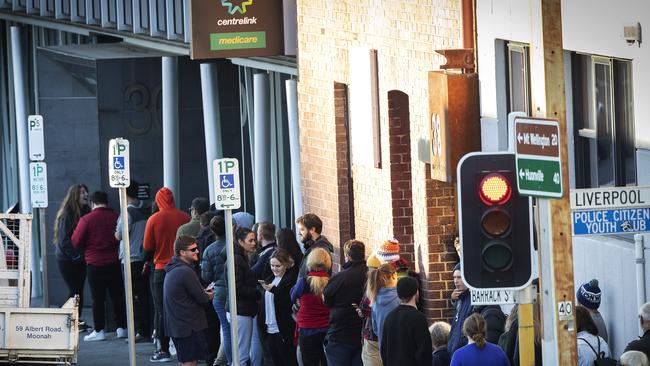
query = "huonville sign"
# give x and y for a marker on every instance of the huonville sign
(236, 28)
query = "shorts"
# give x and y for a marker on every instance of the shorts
(191, 348)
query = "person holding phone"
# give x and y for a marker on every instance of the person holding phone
(274, 319)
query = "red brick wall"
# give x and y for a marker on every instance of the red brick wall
(405, 35)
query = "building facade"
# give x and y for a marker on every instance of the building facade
(364, 120)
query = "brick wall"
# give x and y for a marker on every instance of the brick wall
(405, 35)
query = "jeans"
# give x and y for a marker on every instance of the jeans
(283, 353)
(74, 276)
(343, 354)
(257, 353)
(244, 337)
(311, 349)
(159, 320)
(220, 308)
(140, 299)
(102, 279)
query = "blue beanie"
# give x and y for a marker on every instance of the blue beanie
(588, 295)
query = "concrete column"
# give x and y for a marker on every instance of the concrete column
(170, 124)
(211, 120)
(294, 146)
(20, 99)
(261, 120)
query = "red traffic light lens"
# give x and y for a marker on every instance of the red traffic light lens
(495, 189)
(496, 222)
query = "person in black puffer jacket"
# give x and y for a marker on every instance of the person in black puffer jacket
(342, 294)
(248, 295)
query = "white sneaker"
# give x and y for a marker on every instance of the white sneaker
(95, 336)
(121, 333)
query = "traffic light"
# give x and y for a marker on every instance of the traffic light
(495, 223)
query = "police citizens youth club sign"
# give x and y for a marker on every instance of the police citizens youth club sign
(236, 28)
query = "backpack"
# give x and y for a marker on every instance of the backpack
(601, 360)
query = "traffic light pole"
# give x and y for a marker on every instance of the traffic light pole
(549, 100)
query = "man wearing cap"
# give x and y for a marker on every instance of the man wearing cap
(193, 228)
(405, 338)
(588, 295)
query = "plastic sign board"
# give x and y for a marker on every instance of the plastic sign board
(38, 184)
(537, 150)
(35, 138)
(494, 296)
(612, 221)
(610, 197)
(226, 184)
(118, 163)
(236, 28)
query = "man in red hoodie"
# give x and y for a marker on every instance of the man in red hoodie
(94, 234)
(159, 237)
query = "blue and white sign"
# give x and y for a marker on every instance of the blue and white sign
(611, 221)
(119, 175)
(226, 178)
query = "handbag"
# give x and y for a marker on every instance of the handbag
(601, 360)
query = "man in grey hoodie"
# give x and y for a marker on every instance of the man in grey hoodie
(184, 300)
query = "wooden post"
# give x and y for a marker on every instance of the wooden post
(549, 101)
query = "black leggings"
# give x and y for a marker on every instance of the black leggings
(74, 275)
(311, 349)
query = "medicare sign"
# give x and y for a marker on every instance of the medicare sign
(616, 210)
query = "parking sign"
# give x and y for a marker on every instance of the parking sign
(226, 182)
(38, 184)
(118, 163)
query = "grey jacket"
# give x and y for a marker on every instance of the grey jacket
(138, 215)
(184, 300)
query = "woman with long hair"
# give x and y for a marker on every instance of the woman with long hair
(286, 239)
(275, 321)
(590, 345)
(313, 315)
(381, 291)
(70, 260)
(247, 293)
(478, 350)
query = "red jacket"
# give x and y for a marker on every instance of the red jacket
(160, 232)
(95, 234)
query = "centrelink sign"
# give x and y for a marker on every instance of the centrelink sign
(236, 28)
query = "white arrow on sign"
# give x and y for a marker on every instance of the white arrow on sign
(521, 174)
(519, 137)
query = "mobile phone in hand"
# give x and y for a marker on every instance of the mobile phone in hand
(210, 286)
(261, 282)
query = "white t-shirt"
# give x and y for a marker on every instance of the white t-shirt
(587, 356)
(269, 309)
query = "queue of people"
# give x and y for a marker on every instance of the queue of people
(291, 308)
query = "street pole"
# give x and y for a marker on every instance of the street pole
(43, 233)
(526, 331)
(556, 247)
(232, 293)
(127, 278)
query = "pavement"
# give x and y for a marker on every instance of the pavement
(113, 352)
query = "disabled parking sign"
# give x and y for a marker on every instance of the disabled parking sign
(118, 163)
(226, 182)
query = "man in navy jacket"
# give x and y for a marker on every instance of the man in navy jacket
(184, 300)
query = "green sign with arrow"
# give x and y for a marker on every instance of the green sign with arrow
(537, 157)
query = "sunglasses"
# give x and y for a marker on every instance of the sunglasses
(193, 250)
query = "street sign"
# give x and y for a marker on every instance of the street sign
(226, 184)
(38, 184)
(539, 169)
(118, 163)
(35, 138)
(610, 197)
(611, 221)
(495, 296)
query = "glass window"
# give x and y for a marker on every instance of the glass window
(518, 81)
(603, 122)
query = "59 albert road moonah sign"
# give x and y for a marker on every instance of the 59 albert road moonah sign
(236, 28)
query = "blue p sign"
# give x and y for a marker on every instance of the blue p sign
(118, 162)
